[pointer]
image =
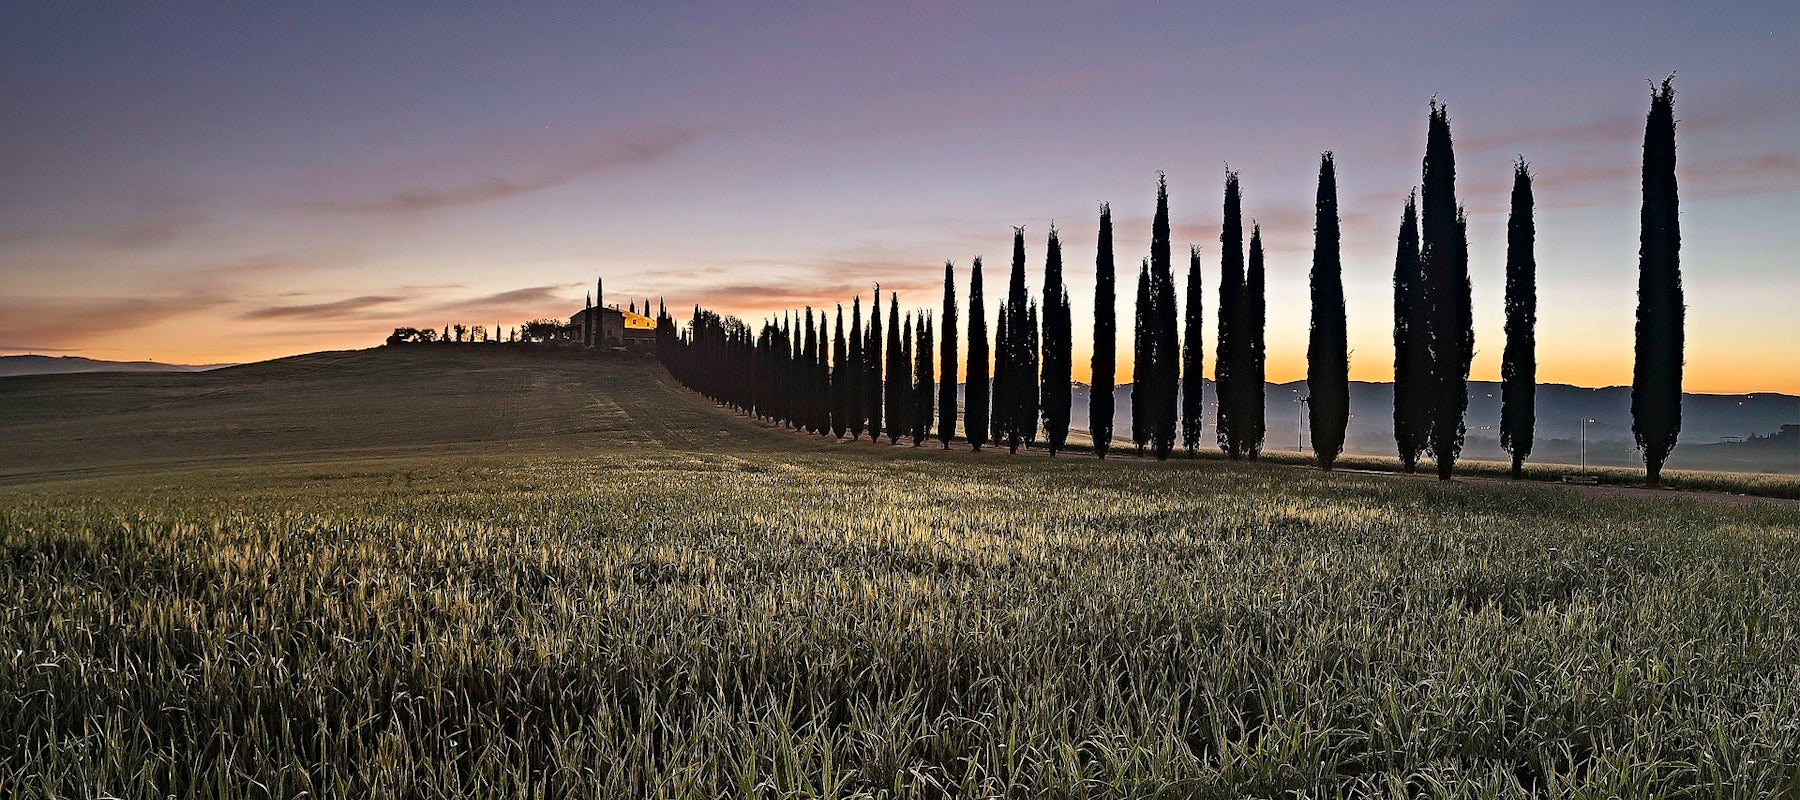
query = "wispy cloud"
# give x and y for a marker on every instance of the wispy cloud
(335, 309)
(60, 322)
(504, 166)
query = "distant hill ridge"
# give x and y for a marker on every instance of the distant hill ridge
(62, 365)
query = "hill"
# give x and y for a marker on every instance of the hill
(62, 365)
(349, 402)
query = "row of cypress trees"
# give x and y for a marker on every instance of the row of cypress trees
(784, 370)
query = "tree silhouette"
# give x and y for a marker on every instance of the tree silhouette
(1141, 365)
(899, 371)
(1105, 368)
(1193, 356)
(946, 427)
(873, 363)
(1165, 348)
(1028, 380)
(924, 383)
(1005, 406)
(1229, 367)
(1412, 346)
(1020, 408)
(1058, 353)
(1656, 374)
(857, 380)
(840, 398)
(1328, 348)
(1518, 364)
(1250, 411)
(1444, 263)
(805, 372)
(975, 400)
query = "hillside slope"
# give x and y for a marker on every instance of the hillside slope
(61, 365)
(364, 401)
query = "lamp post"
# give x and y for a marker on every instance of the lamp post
(1301, 404)
(1584, 424)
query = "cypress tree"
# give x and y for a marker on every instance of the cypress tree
(1141, 366)
(1193, 354)
(946, 428)
(1412, 353)
(872, 363)
(1055, 394)
(1100, 395)
(857, 380)
(924, 383)
(1518, 364)
(1661, 334)
(1005, 406)
(809, 360)
(1444, 263)
(899, 373)
(840, 405)
(975, 400)
(1250, 411)
(1165, 348)
(1328, 347)
(1021, 358)
(1228, 364)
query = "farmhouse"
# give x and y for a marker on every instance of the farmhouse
(600, 325)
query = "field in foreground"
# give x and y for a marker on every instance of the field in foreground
(632, 614)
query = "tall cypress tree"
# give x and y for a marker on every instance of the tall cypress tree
(856, 383)
(1105, 368)
(899, 379)
(1412, 346)
(1518, 364)
(1005, 405)
(807, 369)
(924, 383)
(1328, 347)
(872, 362)
(1443, 261)
(946, 423)
(1250, 411)
(975, 400)
(1193, 356)
(1141, 365)
(1021, 372)
(840, 405)
(1228, 364)
(1055, 394)
(1661, 327)
(1165, 347)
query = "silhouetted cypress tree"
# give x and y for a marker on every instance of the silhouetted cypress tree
(975, 400)
(873, 362)
(1193, 356)
(1005, 406)
(856, 383)
(1142, 367)
(1105, 368)
(1229, 369)
(1165, 347)
(1444, 263)
(1412, 344)
(805, 371)
(899, 371)
(1518, 364)
(840, 397)
(1058, 353)
(1251, 412)
(1661, 327)
(946, 428)
(1328, 348)
(924, 383)
(1021, 360)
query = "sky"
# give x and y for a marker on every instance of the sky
(203, 183)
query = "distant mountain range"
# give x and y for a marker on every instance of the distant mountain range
(1739, 432)
(62, 365)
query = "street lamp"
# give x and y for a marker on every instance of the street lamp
(1584, 424)
(1300, 405)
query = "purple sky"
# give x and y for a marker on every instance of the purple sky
(203, 185)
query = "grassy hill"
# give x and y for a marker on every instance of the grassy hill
(454, 572)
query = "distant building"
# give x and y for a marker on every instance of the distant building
(599, 325)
